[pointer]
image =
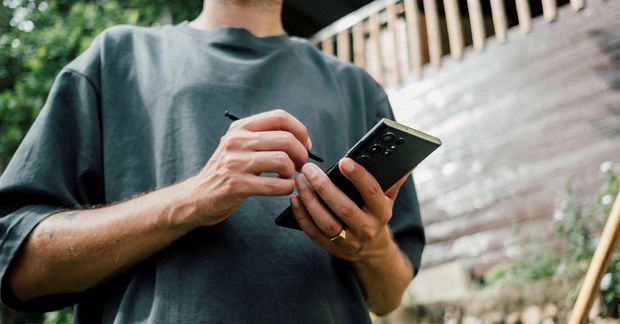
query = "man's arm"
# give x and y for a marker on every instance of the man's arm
(322, 210)
(76, 250)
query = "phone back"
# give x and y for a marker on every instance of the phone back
(388, 151)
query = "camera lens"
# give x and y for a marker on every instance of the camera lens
(400, 141)
(387, 137)
(375, 148)
(387, 153)
(362, 159)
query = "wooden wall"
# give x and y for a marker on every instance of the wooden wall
(517, 120)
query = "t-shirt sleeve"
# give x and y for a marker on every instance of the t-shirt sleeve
(56, 167)
(406, 223)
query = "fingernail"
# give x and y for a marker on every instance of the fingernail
(310, 170)
(347, 165)
(309, 144)
(294, 201)
(301, 183)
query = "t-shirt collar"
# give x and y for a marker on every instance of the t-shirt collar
(236, 36)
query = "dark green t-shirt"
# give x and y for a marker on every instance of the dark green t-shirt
(143, 108)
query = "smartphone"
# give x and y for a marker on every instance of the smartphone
(388, 151)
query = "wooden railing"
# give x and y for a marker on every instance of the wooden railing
(394, 39)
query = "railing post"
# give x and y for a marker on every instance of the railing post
(499, 19)
(550, 10)
(455, 29)
(577, 4)
(524, 15)
(391, 26)
(434, 35)
(375, 43)
(327, 46)
(477, 24)
(359, 45)
(413, 36)
(343, 45)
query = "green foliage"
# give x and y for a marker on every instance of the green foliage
(536, 267)
(38, 38)
(63, 316)
(578, 230)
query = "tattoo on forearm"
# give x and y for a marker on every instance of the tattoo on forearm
(49, 232)
(71, 215)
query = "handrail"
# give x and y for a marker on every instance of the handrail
(371, 36)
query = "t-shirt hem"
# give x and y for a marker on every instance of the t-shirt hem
(15, 237)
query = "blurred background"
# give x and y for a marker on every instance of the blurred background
(525, 95)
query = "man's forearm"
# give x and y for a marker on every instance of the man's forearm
(384, 277)
(75, 250)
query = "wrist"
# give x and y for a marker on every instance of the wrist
(383, 249)
(183, 209)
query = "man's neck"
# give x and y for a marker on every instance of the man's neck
(261, 17)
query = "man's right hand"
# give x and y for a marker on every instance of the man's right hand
(273, 141)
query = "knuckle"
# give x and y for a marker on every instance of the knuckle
(331, 228)
(320, 184)
(230, 142)
(281, 160)
(345, 210)
(280, 114)
(233, 182)
(373, 190)
(235, 124)
(229, 161)
(367, 232)
(288, 139)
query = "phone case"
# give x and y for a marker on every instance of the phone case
(388, 151)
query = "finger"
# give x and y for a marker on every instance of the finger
(320, 214)
(276, 120)
(393, 191)
(349, 247)
(305, 222)
(366, 184)
(279, 141)
(254, 185)
(335, 199)
(259, 162)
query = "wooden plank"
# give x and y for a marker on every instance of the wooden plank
(477, 23)
(391, 27)
(577, 4)
(375, 43)
(327, 46)
(524, 14)
(434, 34)
(413, 36)
(550, 10)
(348, 21)
(598, 266)
(344, 46)
(499, 19)
(455, 28)
(359, 45)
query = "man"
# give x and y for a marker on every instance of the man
(108, 202)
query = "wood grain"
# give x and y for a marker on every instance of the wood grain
(455, 28)
(517, 120)
(433, 32)
(477, 24)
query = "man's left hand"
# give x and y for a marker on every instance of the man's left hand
(322, 211)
